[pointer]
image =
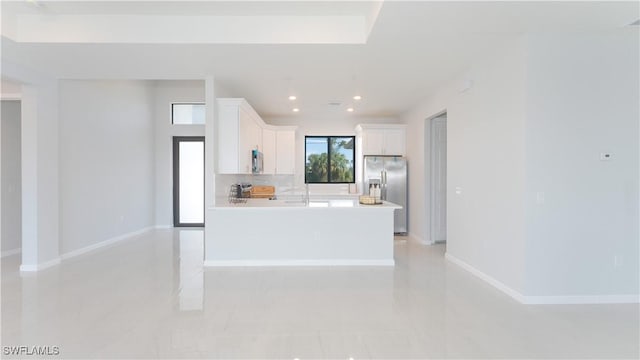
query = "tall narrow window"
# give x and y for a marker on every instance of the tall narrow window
(329, 159)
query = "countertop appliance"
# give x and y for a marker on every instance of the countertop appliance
(263, 191)
(390, 172)
(243, 190)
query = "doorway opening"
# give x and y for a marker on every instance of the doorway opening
(438, 181)
(188, 181)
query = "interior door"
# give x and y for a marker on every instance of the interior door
(439, 179)
(188, 181)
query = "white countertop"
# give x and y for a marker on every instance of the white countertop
(223, 203)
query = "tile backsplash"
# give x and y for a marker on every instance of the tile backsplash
(285, 184)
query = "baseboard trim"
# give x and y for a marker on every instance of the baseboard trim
(546, 300)
(582, 299)
(104, 243)
(266, 263)
(11, 252)
(495, 283)
(41, 266)
(164, 226)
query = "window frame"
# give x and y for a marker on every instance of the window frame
(186, 103)
(328, 137)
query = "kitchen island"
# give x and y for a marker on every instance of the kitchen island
(264, 232)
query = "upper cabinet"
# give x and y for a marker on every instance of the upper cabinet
(250, 138)
(279, 144)
(286, 151)
(241, 130)
(269, 149)
(382, 139)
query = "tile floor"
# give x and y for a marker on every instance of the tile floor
(149, 297)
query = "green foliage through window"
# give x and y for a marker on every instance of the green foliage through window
(329, 159)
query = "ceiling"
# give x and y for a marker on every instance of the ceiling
(393, 54)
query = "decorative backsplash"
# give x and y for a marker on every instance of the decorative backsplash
(285, 184)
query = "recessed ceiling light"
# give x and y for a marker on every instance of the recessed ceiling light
(357, 97)
(296, 109)
(350, 109)
(292, 97)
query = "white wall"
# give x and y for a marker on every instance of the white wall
(39, 165)
(11, 177)
(583, 99)
(106, 160)
(167, 92)
(40, 175)
(485, 154)
(535, 121)
(485, 149)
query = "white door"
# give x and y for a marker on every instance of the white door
(439, 179)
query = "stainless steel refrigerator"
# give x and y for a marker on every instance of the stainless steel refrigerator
(390, 172)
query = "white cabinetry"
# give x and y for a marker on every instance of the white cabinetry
(240, 130)
(269, 151)
(395, 140)
(373, 142)
(278, 146)
(286, 151)
(382, 139)
(250, 139)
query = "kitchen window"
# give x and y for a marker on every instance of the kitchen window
(187, 114)
(329, 159)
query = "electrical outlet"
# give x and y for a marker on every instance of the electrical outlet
(539, 198)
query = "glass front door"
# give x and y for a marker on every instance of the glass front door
(188, 181)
